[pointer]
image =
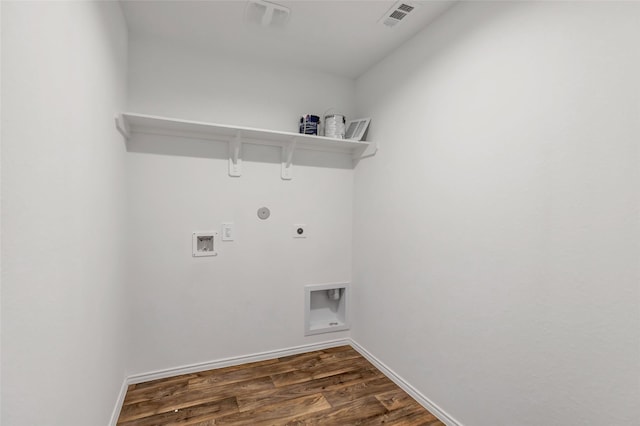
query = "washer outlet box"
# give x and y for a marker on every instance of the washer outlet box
(204, 244)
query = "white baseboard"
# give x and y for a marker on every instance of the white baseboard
(406, 386)
(116, 410)
(279, 353)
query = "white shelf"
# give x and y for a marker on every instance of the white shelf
(129, 124)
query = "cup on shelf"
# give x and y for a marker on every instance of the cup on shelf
(309, 124)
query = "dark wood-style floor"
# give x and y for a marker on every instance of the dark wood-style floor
(334, 386)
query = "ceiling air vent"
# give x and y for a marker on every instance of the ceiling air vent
(397, 13)
(405, 8)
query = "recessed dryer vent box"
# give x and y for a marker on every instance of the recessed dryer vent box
(326, 308)
(204, 243)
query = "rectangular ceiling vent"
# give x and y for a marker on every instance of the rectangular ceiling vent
(397, 13)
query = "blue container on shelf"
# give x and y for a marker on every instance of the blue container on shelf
(309, 124)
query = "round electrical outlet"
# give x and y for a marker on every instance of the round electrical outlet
(263, 213)
(300, 231)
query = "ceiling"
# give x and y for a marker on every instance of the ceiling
(341, 37)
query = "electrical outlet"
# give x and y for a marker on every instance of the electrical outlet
(300, 231)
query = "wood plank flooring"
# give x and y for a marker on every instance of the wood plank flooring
(334, 386)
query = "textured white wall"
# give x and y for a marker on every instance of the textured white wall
(505, 285)
(250, 297)
(63, 336)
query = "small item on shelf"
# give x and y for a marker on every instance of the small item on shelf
(356, 129)
(334, 126)
(309, 124)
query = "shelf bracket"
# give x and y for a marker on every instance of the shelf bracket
(365, 152)
(235, 162)
(122, 126)
(287, 159)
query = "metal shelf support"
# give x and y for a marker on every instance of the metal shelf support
(235, 162)
(287, 159)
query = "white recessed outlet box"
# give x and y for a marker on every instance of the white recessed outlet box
(204, 243)
(326, 308)
(300, 231)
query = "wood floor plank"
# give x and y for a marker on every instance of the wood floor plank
(334, 386)
(403, 410)
(360, 390)
(409, 415)
(189, 398)
(332, 383)
(318, 371)
(278, 413)
(239, 375)
(351, 413)
(235, 388)
(338, 352)
(189, 415)
(156, 392)
(395, 398)
(230, 368)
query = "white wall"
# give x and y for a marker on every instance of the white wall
(250, 297)
(505, 282)
(63, 341)
(184, 82)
